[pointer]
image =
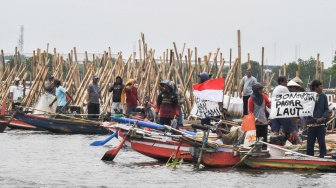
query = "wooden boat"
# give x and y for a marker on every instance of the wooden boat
(213, 155)
(161, 147)
(16, 124)
(69, 126)
(280, 158)
(153, 144)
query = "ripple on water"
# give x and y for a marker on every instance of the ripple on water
(42, 159)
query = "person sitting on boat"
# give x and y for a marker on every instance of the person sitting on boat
(286, 123)
(117, 88)
(17, 92)
(316, 123)
(93, 95)
(130, 93)
(50, 88)
(61, 93)
(167, 104)
(257, 106)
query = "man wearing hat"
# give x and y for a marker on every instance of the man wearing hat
(93, 95)
(50, 88)
(17, 92)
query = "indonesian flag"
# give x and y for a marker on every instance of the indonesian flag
(207, 95)
(211, 90)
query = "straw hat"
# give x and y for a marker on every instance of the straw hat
(293, 83)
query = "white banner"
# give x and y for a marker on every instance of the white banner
(203, 107)
(293, 104)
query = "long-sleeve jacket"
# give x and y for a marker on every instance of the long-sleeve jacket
(167, 104)
(321, 109)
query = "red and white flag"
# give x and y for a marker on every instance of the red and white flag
(210, 90)
(207, 95)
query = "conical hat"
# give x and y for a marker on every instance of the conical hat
(297, 80)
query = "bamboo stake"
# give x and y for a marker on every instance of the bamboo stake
(262, 65)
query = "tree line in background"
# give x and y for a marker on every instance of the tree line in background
(305, 68)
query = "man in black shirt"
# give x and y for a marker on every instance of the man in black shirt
(117, 88)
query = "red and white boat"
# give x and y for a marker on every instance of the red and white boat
(154, 144)
(17, 124)
(161, 147)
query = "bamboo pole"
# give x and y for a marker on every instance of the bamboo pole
(317, 66)
(262, 65)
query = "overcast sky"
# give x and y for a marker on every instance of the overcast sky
(287, 29)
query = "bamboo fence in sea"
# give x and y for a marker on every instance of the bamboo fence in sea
(180, 66)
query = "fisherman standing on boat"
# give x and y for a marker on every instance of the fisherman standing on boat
(61, 93)
(50, 88)
(286, 123)
(257, 106)
(167, 104)
(93, 95)
(316, 123)
(117, 88)
(130, 92)
(246, 84)
(17, 92)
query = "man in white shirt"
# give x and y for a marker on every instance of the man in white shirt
(17, 92)
(246, 84)
(286, 123)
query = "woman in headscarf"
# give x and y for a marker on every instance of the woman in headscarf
(257, 104)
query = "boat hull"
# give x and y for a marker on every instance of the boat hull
(291, 163)
(157, 148)
(67, 126)
(220, 159)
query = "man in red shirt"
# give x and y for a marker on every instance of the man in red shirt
(131, 93)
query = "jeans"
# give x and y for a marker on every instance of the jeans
(319, 133)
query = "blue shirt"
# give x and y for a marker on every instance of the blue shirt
(61, 95)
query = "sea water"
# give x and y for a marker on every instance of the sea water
(43, 159)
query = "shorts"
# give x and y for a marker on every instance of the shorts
(286, 124)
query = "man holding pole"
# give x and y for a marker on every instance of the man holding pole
(61, 93)
(246, 84)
